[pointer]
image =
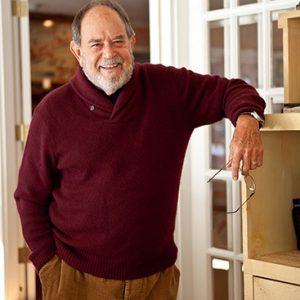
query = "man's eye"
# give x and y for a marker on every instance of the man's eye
(96, 45)
(118, 41)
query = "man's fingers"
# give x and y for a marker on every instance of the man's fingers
(235, 168)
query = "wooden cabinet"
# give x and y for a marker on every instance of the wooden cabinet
(272, 261)
(265, 289)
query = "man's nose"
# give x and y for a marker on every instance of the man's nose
(107, 50)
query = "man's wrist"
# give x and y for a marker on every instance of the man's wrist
(256, 116)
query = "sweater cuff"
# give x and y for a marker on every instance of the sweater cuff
(39, 258)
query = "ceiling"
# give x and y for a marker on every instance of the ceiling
(137, 10)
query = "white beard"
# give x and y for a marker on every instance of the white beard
(109, 86)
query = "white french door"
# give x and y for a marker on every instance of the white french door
(231, 38)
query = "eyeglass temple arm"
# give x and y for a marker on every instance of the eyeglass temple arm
(211, 178)
(235, 211)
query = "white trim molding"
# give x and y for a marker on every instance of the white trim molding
(13, 281)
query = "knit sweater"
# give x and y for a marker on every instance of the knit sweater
(98, 184)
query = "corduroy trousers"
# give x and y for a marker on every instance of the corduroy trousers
(62, 282)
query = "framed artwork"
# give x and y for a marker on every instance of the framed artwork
(51, 58)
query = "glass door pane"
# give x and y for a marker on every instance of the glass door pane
(248, 50)
(223, 279)
(219, 216)
(277, 53)
(220, 279)
(218, 145)
(216, 51)
(215, 4)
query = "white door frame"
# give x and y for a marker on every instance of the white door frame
(8, 167)
(15, 108)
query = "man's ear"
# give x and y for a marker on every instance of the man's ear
(132, 42)
(75, 49)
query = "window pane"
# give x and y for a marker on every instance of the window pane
(216, 49)
(220, 279)
(218, 145)
(248, 53)
(215, 4)
(219, 217)
(277, 55)
(243, 2)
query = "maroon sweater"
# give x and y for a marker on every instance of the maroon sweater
(98, 184)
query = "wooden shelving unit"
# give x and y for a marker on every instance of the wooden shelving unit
(272, 261)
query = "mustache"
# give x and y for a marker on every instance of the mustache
(110, 61)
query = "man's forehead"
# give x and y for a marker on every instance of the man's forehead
(103, 18)
(101, 13)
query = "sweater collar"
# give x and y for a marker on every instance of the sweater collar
(90, 94)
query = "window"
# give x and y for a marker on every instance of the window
(215, 4)
(216, 48)
(238, 38)
(277, 52)
(248, 49)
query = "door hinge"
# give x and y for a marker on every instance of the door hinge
(22, 132)
(23, 255)
(19, 8)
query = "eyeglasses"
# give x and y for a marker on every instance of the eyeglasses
(250, 185)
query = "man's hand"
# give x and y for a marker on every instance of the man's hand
(246, 146)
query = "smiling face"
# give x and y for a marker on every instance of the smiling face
(105, 53)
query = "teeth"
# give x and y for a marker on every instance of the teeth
(110, 66)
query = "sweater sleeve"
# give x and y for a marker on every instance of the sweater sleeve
(221, 97)
(208, 99)
(37, 178)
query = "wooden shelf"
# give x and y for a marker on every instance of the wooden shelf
(282, 266)
(268, 226)
(287, 258)
(282, 122)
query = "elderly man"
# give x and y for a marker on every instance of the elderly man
(99, 180)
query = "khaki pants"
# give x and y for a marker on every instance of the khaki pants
(62, 282)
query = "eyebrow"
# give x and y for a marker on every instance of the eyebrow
(95, 40)
(120, 36)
